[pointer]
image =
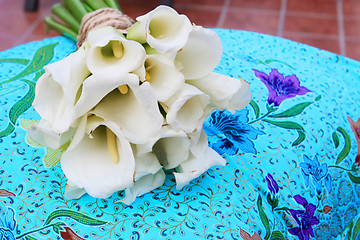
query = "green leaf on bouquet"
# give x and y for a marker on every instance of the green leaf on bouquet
(286, 124)
(264, 218)
(354, 178)
(255, 106)
(300, 139)
(293, 111)
(336, 139)
(15, 60)
(77, 216)
(346, 150)
(41, 58)
(277, 235)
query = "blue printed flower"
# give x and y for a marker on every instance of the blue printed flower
(280, 87)
(235, 132)
(7, 225)
(304, 218)
(319, 172)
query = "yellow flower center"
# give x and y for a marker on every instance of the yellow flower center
(112, 145)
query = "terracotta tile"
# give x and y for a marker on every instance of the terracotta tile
(262, 4)
(318, 6)
(136, 9)
(353, 49)
(205, 18)
(199, 2)
(256, 21)
(327, 43)
(7, 41)
(352, 28)
(39, 33)
(351, 8)
(311, 25)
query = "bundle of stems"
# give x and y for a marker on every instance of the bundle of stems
(71, 12)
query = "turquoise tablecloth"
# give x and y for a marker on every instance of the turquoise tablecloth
(291, 161)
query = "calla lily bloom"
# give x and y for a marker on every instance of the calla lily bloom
(111, 53)
(144, 185)
(136, 112)
(201, 158)
(186, 108)
(162, 28)
(225, 92)
(163, 76)
(90, 163)
(55, 97)
(201, 54)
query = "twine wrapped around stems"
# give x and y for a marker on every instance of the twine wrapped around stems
(101, 18)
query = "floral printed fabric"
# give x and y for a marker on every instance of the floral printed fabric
(292, 157)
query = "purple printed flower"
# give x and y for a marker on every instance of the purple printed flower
(272, 184)
(304, 218)
(280, 87)
(319, 172)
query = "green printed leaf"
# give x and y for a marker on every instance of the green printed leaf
(29, 237)
(346, 150)
(277, 235)
(300, 138)
(77, 216)
(293, 111)
(53, 156)
(10, 128)
(318, 98)
(42, 57)
(264, 218)
(274, 60)
(283, 209)
(15, 60)
(356, 229)
(255, 106)
(286, 124)
(354, 178)
(23, 104)
(336, 139)
(57, 227)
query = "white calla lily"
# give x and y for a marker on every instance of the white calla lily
(186, 108)
(225, 92)
(112, 54)
(72, 191)
(136, 112)
(55, 96)
(201, 54)
(201, 158)
(163, 76)
(162, 28)
(143, 185)
(90, 165)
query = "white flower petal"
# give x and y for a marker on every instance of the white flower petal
(165, 79)
(163, 28)
(56, 90)
(72, 191)
(186, 108)
(225, 92)
(145, 162)
(143, 185)
(136, 112)
(42, 134)
(110, 53)
(201, 158)
(89, 164)
(201, 54)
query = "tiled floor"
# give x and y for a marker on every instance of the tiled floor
(333, 25)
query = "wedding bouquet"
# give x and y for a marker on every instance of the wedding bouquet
(131, 105)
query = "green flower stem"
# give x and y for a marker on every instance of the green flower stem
(76, 7)
(348, 170)
(264, 116)
(33, 231)
(51, 23)
(113, 4)
(87, 7)
(96, 4)
(64, 14)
